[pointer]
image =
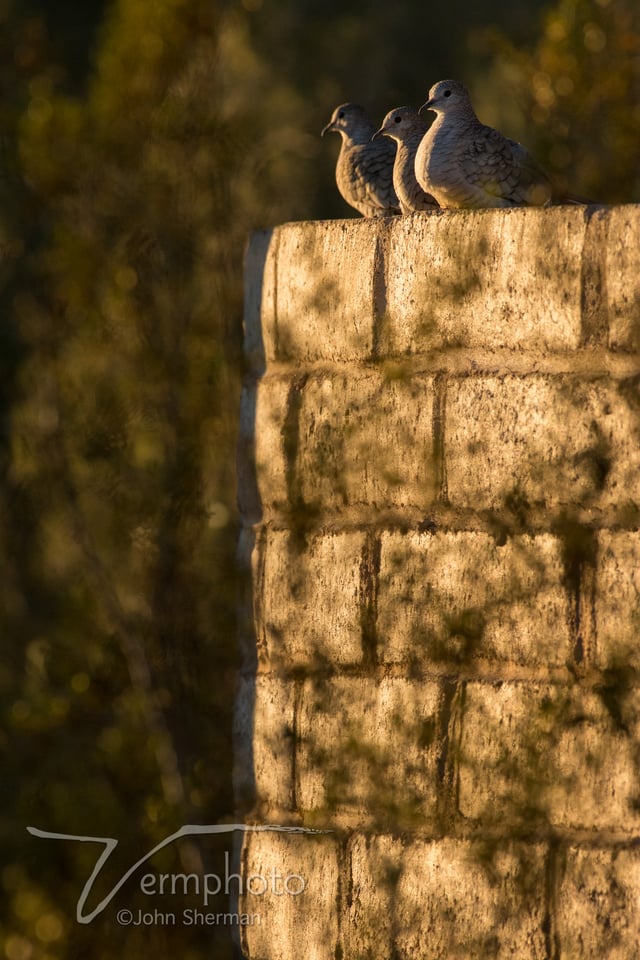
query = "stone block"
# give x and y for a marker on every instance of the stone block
(310, 591)
(461, 900)
(325, 277)
(622, 266)
(368, 750)
(375, 869)
(539, 754)
(459, 597)
(366, 440)
(597, 916)
(617, 601)
(291, 925)
(542, 440)
(485, 278)
(446, 899)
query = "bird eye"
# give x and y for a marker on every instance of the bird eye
(397, 119)
(341, 115)
(447, 93)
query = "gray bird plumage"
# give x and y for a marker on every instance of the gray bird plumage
(464, 163)
(408, 129)
(364, 171)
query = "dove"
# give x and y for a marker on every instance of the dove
(364, 171)
(464, 163)
(405, 127)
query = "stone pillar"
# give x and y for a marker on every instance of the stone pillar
(440, 491)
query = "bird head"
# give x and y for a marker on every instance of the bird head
(399, 123)
(352, 123)
(448, 97)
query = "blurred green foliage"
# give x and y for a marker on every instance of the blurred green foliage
(578, 88)
(140, 144)
(121, 300)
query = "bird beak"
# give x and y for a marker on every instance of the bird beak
(329, 126)
(379, 133)
(425, 106)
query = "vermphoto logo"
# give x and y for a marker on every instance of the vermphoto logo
(204, 887)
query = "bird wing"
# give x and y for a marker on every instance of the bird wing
(371, 174)
(503, 168)
(534, 182)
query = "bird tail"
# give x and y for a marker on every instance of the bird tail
(575, 199)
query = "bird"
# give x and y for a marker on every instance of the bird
(364, 171)
(466, 164)
(408, 129)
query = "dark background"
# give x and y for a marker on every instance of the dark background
(141, 143)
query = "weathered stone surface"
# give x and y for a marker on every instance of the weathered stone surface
(429, 381)
(369, 749)
(375, 869)
(597, 904)
(459, 597)
(622, 265)
(617, 601)
(325, 290)
(542, 440)
(291, 925)
(311, 599)
(445, 899)
(458, 900)
(540, 754)
(352, 427)
(264, 728)
(485, 278)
